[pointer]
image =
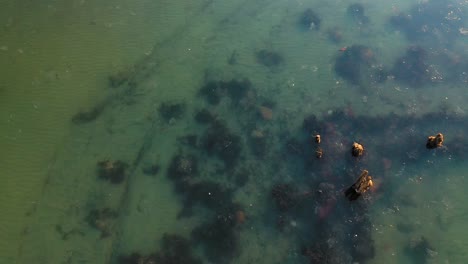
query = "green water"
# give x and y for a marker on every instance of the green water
(56, 59)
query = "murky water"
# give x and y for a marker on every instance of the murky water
(173, 132)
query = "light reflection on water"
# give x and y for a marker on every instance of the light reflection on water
(201, 149)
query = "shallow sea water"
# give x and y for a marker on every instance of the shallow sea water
(212, 106)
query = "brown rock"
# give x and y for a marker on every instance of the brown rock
(357, 149)
(435, 141)
(362, 184)
(317, 139)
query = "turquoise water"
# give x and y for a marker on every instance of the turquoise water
(173, 132)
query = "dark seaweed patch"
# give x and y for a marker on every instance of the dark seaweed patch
(152, 169)
(413, 68)
(113, 171)
(335, 35)
(309, 20)
(354, 63)
(219, 238)
(190, 140)
(221, 142)
(208, 194)
(419, 250)
(205, 117)
(84, 117)
(182, 171)
(285, 196)
(102, 220)
(122, 77)
(212, 92)
(175, 249)
(269, 58)
(171, 111)
(237, 90)
(240, 177)
(357, 12)
(434, 21)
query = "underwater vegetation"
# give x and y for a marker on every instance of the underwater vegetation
(84, 117)
(309, 20)
(175, 249)
(219, 238)
(354, 64)
(435, 141)
(269, 58)
(240, 177)
(357, 13)
(419, 250)
(431, 20)
(113, 171)
(258, 143)
(182, 170)
(335, 35)
(285, 196)
(208, 194)
(214, 91)
(204, 116)
(208, 173)
(151, 170)
(171, 111)
(413, 67)
(126, 76)
(219, 141)
(102, 220)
